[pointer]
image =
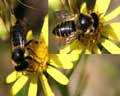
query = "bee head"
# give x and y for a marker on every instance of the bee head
(18, 55)
(22, 66)
(84, 22)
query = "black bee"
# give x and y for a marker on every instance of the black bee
(18, 57)
(64, 29)
(18, 40)
(79, 26)
(18, 33)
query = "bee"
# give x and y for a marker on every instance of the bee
(22, 53)
(19, 43)
(81, 26)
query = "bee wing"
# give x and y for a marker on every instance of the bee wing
(11, 41)
(68, 10)
(73, 6)
(63, 15)
(14, 41)
(18, 34)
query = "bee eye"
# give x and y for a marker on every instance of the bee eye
(84, 22)
(95, 20)
(18, 55)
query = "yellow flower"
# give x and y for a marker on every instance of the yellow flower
(41, 63)
(104, 39)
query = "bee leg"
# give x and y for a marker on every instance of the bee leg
(32, 52)
(28, 43)
(31, 66)
(70, 38)
(27, 72)
(30, 58)
(23, 73)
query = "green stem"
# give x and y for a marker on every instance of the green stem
(82, 78)
(76, 64)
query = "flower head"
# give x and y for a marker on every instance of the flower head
(102, 36)
(40, 62)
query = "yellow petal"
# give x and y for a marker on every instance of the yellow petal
(112, 14)
(57, 75)
(53, 63)
(46, 88)
(112, 31)
(11, 77)
(33, 87)
(73, 57)
(79, 51)
(18, 85)
(111, 47)
(69, 47)
(44, 32)
(76, 51)
(29, 35)
(101, 6)
(83, 8)
(61, 61)
(66, 49)
(87, 51)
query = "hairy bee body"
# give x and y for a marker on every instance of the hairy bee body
(64, 29)
(18, 41)
(82, 27)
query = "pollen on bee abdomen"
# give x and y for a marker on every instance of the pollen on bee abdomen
(38, 51)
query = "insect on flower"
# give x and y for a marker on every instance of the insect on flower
(85, 30)
(78, 26)
(39, 62)
(19, 47)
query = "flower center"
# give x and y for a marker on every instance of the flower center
(39, 54)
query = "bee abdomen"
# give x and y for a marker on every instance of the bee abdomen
(17, 33)
(64, 29)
